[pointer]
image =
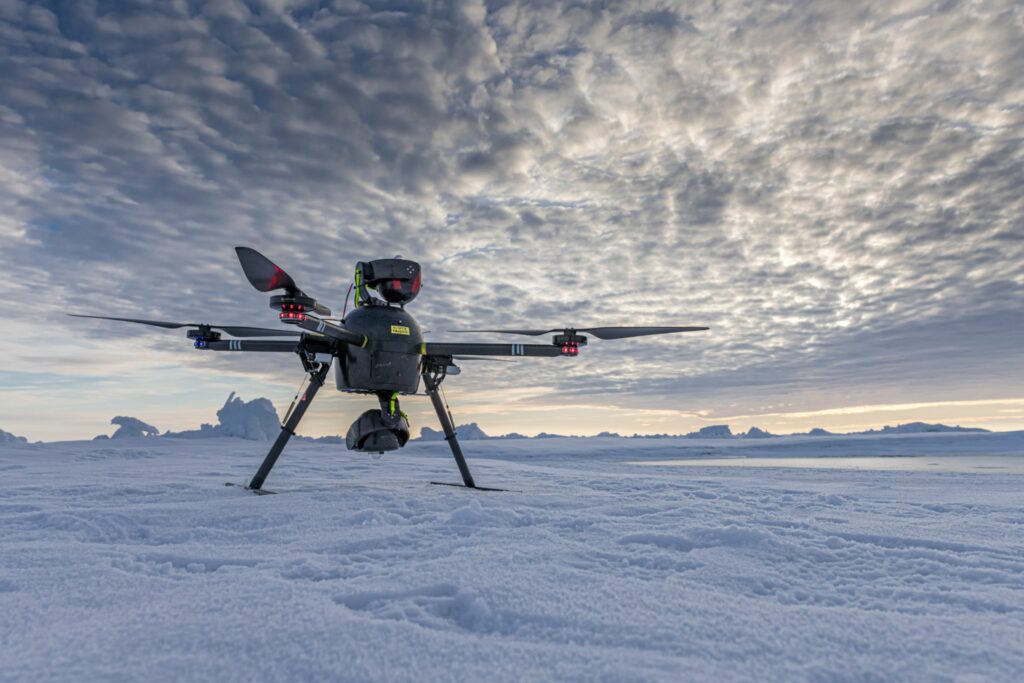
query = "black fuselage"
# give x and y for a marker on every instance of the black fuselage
(391, 359)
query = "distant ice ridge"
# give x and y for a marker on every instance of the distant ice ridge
(468, 432)
(472, 431)
(7, 437)
(130, 427)
(921, 427)
(255, 420)
(712, 432)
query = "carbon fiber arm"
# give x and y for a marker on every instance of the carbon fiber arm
(308, 344)
(252, 345)
(457, 349)
(346, 336)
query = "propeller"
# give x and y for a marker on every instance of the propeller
(600, 332)
(266, 276)
(232, 330)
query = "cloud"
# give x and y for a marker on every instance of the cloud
(835, 189)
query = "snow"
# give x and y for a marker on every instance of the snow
(128, 559)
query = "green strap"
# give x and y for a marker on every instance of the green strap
(391, 404)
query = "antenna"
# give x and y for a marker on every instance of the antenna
(344, 308)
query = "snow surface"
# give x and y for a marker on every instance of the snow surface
(129, 560)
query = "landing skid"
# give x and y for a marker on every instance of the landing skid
(463, 486)
(258, 492)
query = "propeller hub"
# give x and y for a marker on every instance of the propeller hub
(570, 337)
(570, 342)
(293, 307)
(203, 332)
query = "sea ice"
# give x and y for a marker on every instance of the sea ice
(129, 559)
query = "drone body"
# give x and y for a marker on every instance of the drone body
(391, 359)
(378, 348)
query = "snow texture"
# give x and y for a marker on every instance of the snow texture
(129, 560)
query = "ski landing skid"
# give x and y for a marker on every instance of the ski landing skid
(258, 492)
(264, 492)
(463, 486)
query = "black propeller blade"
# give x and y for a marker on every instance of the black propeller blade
(601, 332)
(264, 274)
(625, 332)
(233, 330)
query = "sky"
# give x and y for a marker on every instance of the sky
(834, 188)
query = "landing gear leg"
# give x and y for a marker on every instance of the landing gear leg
(443, 415)
(434, 369)
(317, 374)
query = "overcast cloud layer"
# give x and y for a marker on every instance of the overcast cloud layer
(837, 189)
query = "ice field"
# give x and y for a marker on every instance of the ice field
(130, 560)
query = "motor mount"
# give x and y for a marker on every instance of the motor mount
(570, 342)
(202, 336)
(295, 307)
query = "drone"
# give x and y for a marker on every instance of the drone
(377, 348)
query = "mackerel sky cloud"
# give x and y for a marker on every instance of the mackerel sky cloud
(836, 189)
